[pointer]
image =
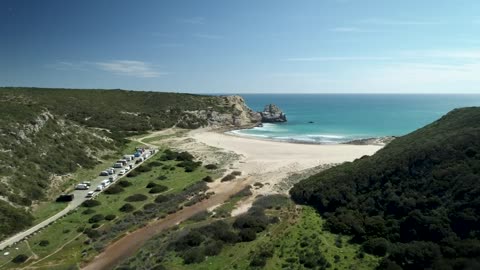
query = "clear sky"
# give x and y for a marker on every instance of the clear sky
(244, 46)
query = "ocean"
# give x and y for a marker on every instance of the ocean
(339, 118)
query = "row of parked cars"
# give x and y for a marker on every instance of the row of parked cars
(121, 167)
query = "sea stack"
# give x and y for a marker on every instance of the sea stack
(272, 114)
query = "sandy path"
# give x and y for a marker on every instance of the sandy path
(128, 245)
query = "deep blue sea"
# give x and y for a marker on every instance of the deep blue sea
(343, 117)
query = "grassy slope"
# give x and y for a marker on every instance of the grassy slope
(285, 237)
(61, 131)
(65, 230)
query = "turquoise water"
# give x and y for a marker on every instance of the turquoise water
(340, 118)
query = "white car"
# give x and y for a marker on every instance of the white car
(122, 172)
(99, 188)
(90, 194)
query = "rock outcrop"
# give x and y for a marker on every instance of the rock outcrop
(272, 114)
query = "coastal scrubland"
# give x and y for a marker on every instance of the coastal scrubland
(415, 202)
(83, 233)
(48, 136)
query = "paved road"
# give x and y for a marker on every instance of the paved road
(79, 198)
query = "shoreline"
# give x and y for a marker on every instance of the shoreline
(380, 141)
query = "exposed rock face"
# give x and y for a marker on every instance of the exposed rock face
(235, 114)
(272, 114)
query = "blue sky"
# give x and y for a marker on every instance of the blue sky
(248, 46)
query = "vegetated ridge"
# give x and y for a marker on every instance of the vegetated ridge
(416, 202)
(46, 134)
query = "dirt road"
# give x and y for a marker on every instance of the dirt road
(128, 245)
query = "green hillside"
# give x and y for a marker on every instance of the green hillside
(46, 134)
(416, 202)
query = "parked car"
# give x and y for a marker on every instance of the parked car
(99, 188)
(112, 178)
(122, 172)
(103, 173)
(118, 165)
(105, 182)
(88, 183)
(90, 194)
(81, 187)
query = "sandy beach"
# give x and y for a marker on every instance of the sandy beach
(272, 163)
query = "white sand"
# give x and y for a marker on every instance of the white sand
(270, 162)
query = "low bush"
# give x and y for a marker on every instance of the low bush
(149, 206)
(127, 208)
(271, 201)
(161, 198)
(91, 233)
(90, 203)
(124, 183)
(236, 173)
(200, 216)
(211, 167)
(151, 185)
(133, 173)
(110, 217)
(96, 218)
(44, 243)
(258, 185)
(20, 258)
(247, 235)
(154, 164)
(143, 168)
(376, 246)
(193, 255)
(95, 225)
(158, 189)
(208, 179)
(228, 177)
(213, 248)
(136, 198)
(162, 177)
(115, 189)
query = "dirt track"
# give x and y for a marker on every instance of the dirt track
(128, 245)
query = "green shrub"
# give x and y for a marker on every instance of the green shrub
(162, 177)
(95, 225)
(133, 173)
(158, 189)
(200, 216)
(127, 208)
(124, 183)
(136, 198)
(151, 185)
(376, 246)
(247, 235)
(161, 198)
(90, 203)
(208, 179)
(211, 167)
(114, 189)
(236, 173)
(193, 255)
(20, 258)
(44, 243)
(96, 218)
(110, 217)
(228, 177)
